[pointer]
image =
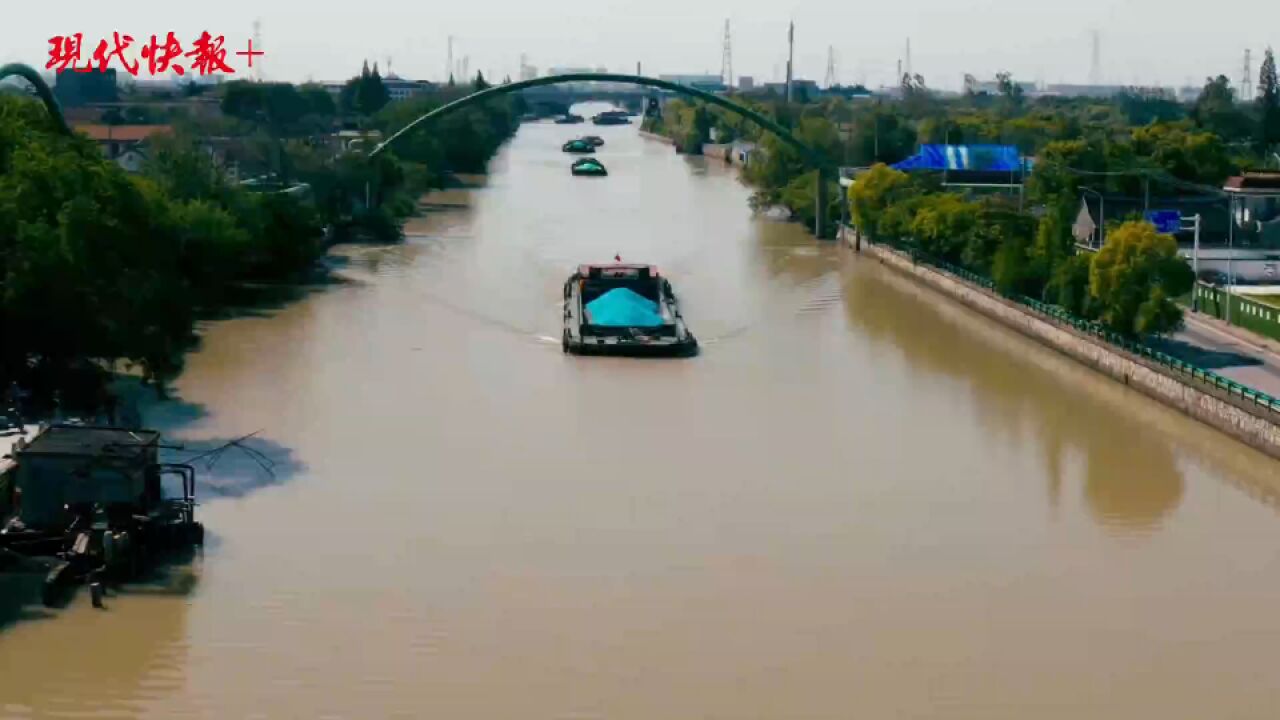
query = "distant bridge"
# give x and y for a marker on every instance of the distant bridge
(826, 167)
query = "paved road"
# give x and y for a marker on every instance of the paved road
(1228, 355)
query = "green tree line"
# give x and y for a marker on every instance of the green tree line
(1132, 140)
(100, 268)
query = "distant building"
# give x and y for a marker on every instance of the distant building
(1189, 94)
(357, 140)
(1255, 205)
(528, 72)
(708, 83)
(399, 88)
(746, 83)
(1085, 91)
(576, 71)
(123, 144)
(799, 88)
(73, 89)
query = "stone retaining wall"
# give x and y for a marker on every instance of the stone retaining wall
(655, 136)
(1254, 429)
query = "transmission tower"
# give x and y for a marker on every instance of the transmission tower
(907, 60)
(831, 67)
(726, 60)
(1246, 82)
(1095, 65)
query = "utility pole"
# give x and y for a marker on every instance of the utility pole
(1195, 264)
(1231, 241)
(449, 63)
(1246, 81)
(791, 56)
(726, 60)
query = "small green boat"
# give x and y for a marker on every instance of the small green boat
(589, 167)
(581, 147)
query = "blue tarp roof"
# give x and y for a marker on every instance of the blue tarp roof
(992, 158)
(622, 307)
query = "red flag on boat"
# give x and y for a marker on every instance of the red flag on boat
(617, 258)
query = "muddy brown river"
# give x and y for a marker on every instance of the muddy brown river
(860, 501)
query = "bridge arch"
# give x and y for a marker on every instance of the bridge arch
(812, 157)
(42, 89)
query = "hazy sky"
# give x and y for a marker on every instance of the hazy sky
(1143, 41)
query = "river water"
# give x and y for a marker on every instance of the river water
(859, 501)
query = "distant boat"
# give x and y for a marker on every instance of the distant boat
(579, 146)
(570, 119)
(612, 117)
(588, 167)
(595, 140)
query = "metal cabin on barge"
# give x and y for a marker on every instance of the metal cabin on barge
(90, 503)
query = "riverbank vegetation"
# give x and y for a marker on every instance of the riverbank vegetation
(1138, 143)
(100, 267)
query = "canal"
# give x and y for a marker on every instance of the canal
(859, 501)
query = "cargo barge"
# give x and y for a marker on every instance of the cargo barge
(623, 309)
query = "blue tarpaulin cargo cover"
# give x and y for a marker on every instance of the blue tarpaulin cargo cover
(622, 307)
(993, 158)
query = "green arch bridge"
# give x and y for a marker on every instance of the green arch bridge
(825, 167)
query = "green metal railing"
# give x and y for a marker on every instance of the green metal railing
(1095, 329)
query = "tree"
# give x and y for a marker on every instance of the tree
(1269, 103)
(1136, 276)
(873, 194)
(480, 83)
(1187, 155)
(1011, 91)
(944, 225)
(1216, 111)
(364, 94)
(318, 100)
(917, 99)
